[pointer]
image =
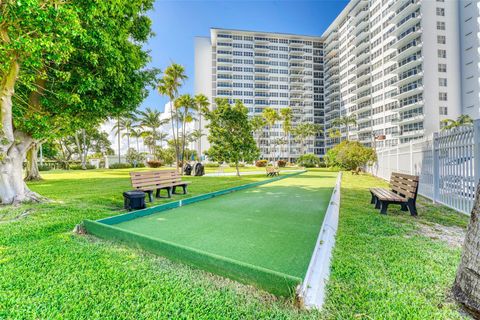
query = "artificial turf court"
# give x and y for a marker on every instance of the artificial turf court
(263, 235)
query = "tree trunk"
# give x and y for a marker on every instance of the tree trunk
(236, 167)
(12, 187)
(33, 174)
(466, 288)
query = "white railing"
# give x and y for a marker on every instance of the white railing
(448, 164)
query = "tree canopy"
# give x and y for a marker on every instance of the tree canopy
(230, 133)
(65, 65)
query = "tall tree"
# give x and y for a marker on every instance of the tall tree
(184, 106)
(258, 124)
(151, 120)
(345, 121)
(462, 120)
(230, 133)
(303, 131)
(202, 103)
(270, 116)
(172, 80)
(136, 133)
(466, 288)
(286, 115)
(123, 128)
(65, 64)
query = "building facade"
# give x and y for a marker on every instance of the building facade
(470, 57)
(265, 70)
(400, 67)
(394, 65)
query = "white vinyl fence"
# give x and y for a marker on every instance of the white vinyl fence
(448, 164)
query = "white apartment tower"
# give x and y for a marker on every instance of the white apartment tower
(470, 52)
(264, 70)
(394, 65)
(399, 66)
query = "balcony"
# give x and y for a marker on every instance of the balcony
(411, 49)
(413, 133)
(407, 36)
(408, 64)
(408, 21)
(403, 9)
(411, 105)
(412, 119)
(410, 92)
(409, 76)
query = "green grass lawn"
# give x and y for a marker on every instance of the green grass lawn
(383, 267)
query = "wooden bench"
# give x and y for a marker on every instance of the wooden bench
(272, 171)
(158, 180)
(404, 189)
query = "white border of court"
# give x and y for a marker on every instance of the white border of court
(312, 290)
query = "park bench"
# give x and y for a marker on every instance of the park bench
(158, 180)
(272, 171)
(404, 189)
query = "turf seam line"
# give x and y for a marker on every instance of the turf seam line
(183, 202)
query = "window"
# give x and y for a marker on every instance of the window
(442, 53)
(442, 82)
(441, 12)
(441, 39)
(443, 111)
(442, 96)
(442, 67)
(440, 25)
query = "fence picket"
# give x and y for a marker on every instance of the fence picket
(448, 164)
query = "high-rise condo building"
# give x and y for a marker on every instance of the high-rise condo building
(400, 67)
(265, 70)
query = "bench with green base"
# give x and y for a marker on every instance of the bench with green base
(149, 181)
(404, 189)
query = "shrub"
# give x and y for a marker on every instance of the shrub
(261, 163)
(350, 155)
(240, 165)
(44, 168)
(134, 157)
(79, 167)
(120, 166)
(154, 163)
(211, 165)
(308, 160)
(282, 163)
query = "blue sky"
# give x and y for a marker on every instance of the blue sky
(176, 23)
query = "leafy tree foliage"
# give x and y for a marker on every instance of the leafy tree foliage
(350, 155)
(230, 134)
(65, 65)
(308, 160)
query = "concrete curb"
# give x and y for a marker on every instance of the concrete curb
(312, 290)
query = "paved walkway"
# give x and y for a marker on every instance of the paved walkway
(245, 173)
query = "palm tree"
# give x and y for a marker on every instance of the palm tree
(123, 123)
(136, 133)
(201, 101)
(304, 131)
(183, 106)
(345, 121)
(258, 123)
(286, 114)
(172, 80)
(195, 136)
(150, 119)
(463, 120)
(270, 116)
